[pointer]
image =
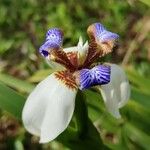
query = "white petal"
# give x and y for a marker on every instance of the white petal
(86, 45)
(70, 49)
(125, 93)
(48, 109)
(116, 93)
(55, 65)
(80, 43)
(80, 48)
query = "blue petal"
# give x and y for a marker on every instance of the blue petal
(106, 36)
(99, 28)
(102, 34)
(102, 74)
(96, 76)
(44, 49)
(55, 35)
(54, 39)
(85, 79)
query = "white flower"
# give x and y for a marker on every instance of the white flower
(50, 106)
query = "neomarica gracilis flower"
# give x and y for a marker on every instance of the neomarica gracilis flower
(50, 106)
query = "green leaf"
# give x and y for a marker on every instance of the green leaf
(95, 104)
(137, 136)
(137, 115)
(5, 45)
(11, 101)
(91, 140)
(18, 145)
(140, 97)
(147, 2)
(15, 83)
(139, 81)
(40, 75)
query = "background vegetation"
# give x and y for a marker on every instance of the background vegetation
(23, 25)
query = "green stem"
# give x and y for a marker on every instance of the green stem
(81, 115)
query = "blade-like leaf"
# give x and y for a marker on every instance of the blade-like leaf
(140, 97)
(11, 101)
(40, 75)
(147, 2)
(142, 83)
(137, 136)
(15, 83)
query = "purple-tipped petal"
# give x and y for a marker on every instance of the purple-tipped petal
(46, 47)
(55, 35)
(98, 75)
(103, 39)
(102, 34)
(106, 36)
(99, 28)
(54, 39)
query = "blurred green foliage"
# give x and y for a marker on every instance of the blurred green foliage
(22, 29)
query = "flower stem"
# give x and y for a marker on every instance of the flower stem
(81, 114)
